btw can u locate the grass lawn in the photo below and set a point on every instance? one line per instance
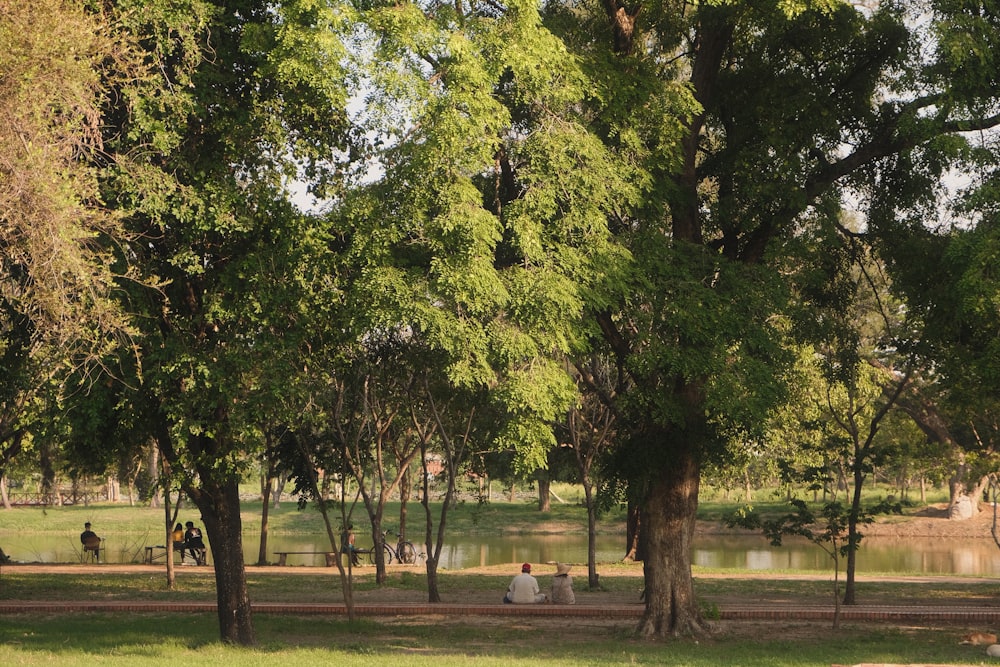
(147, 639)
(465, 518)
(620, 584)
(156, 638)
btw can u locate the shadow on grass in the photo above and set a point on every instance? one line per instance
(192, 639)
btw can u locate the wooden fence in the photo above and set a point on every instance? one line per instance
(62, 497)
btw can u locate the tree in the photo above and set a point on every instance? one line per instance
(794, 106)
(243, 96)
(829, 531)
(648, 170)
(367, 425)
(476, 268)
(855, 329)
(303, 453)
(456, 420)
(948, 278)
(590, 431)
(57, 312)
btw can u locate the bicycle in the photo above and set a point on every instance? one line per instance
(404, 551)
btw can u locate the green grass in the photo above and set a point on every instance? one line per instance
(323, 585)
(715, 503)
(466, 517)
(193, 585)
(146, 639)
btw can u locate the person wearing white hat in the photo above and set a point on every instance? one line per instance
(562, 586)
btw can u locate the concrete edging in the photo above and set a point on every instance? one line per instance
(735, 612)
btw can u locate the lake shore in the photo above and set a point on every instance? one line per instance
(928, 521)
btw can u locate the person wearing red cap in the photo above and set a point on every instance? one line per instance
(524, 589)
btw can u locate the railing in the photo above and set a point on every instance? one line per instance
(62, 497)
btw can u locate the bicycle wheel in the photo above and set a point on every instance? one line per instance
(371, 555)
(407, 554)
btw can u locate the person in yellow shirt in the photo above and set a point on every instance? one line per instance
(177, 537)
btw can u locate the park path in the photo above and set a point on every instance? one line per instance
(972, 616)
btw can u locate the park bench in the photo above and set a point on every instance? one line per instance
(154, 553)
(158, 551)
(330, 556)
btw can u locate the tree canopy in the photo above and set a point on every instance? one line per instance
(509, 192)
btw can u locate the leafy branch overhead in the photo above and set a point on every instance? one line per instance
(720, 229)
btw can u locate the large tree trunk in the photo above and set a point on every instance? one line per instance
(544, 499)
(925, 415)
(220, 510)
(668, 522)
(279, 487)
(977, 491)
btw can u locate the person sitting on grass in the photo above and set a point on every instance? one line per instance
(524, 589)
(562, 586)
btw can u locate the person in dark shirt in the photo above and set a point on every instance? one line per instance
(193, 542)
(90, 541)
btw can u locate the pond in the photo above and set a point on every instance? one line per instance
(971, 556)
(923, 555)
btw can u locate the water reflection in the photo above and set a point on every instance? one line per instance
(973, 556)
(977, 557)
(474, 552)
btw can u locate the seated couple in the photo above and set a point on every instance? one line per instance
(524, 588)
(189, 540)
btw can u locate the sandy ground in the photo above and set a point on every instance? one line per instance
(932, 521)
